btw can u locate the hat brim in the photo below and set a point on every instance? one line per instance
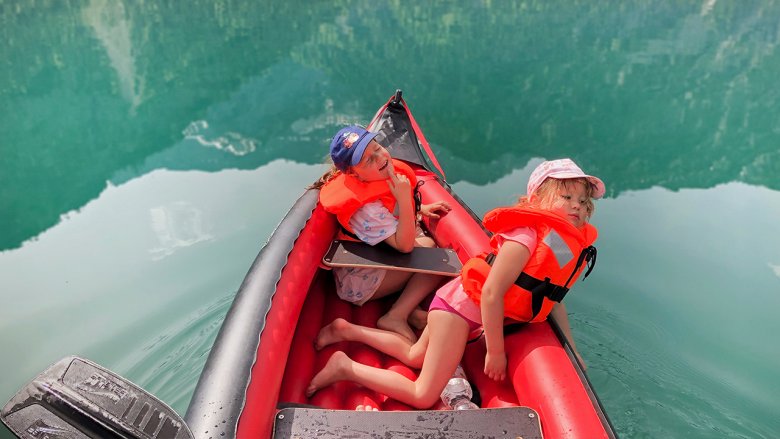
(360, 148)
(598, 186)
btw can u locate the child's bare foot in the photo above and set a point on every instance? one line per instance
(418, 318)
(332, 333)
(366, 408)
(333, 371)
(394, 324)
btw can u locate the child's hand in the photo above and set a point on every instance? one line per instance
(430, 210)
(390, 169)
(399, 185)
(495, 366)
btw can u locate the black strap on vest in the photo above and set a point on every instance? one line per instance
(418, 196)
(348, 233)
(544, 288)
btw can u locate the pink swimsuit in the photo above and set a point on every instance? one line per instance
(452, 298)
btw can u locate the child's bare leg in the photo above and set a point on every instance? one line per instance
(418, 318)
(394, 281)
(424, 241)
(388, 342)
(447, 337)
(448, 334)
(396, 319)
(336, 369)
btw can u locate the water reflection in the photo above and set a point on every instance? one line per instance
(141, 260)
(109, 22)
(231, 142)
(644, 95)
(93, 89)
(177, 225)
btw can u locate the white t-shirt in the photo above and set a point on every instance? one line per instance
(372, 223)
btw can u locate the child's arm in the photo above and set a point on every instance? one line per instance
(562, 319)
(509, 263)
(401, 188)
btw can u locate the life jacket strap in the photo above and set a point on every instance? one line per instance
(587, 255)
(544, 288)
(418, 196)
(348, 233)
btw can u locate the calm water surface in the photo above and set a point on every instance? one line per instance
(147, 151)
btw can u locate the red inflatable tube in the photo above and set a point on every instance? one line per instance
(456, 229)
(541, 372)
(298, 373)
(263, 390)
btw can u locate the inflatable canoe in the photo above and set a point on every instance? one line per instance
(253, 384)
(264, 358)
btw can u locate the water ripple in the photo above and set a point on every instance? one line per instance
(169, 366)
(659, 383)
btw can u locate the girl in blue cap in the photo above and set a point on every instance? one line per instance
(371, 194)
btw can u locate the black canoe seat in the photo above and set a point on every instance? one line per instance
(441, 261)
(506, 423)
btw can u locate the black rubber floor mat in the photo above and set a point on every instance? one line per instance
(510, 423)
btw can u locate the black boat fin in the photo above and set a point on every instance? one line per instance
(397, 97)
(76, 398)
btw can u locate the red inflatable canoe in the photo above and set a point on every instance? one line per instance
(264, 358)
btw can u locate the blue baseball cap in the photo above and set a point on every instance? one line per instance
(348, 146)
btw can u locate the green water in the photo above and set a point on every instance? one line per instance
(147, 151)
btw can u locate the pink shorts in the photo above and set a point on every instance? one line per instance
(440, 304)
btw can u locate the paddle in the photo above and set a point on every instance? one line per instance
(76, 398)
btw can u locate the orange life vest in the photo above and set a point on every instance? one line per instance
(344, 194)
(562, 252)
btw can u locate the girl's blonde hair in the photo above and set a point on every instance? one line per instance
(546, 194)
(329, 175)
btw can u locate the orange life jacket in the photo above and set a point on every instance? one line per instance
(344, 194)
(561, 254)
